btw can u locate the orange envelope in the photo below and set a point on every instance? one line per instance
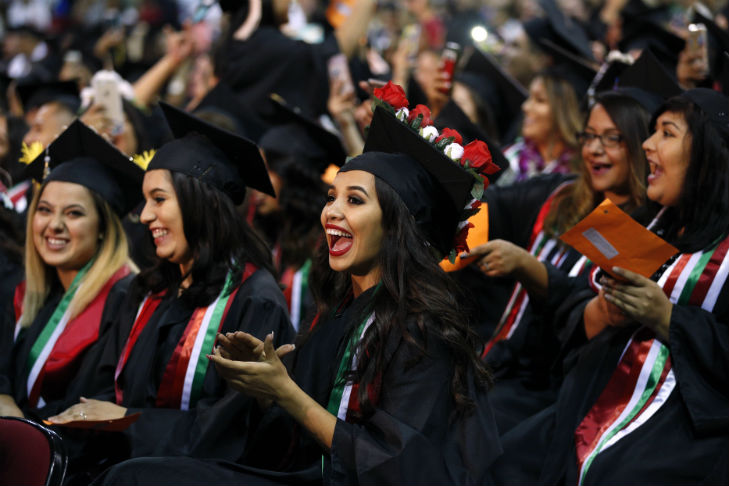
(610, 238)
(114, 425)
(478, 235)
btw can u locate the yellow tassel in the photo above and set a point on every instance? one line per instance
(143, 159)
(30, 153)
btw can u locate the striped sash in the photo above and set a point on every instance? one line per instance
(297, 284)
(643, 379)
(46, 341)
(182, 381)
(541, 247)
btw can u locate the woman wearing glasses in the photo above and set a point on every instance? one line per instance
(532, 267)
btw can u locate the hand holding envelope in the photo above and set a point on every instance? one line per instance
(611, 238)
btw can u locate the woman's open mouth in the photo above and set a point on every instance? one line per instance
(340, 240)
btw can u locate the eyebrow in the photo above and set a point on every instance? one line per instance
(668, 122)
(157, 189)
(358, 188)
(65, 208)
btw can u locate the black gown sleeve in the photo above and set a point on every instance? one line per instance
(699, 344)
(414, 435)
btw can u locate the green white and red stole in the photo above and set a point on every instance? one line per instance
(182, 380)
(63, 339)
(540, 246)
(341, 395)
(643, 379)
(296, 284)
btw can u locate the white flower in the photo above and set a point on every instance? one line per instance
(429, 133)
(454, 151)
(402, 114)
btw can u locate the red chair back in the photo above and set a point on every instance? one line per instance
(30, 454)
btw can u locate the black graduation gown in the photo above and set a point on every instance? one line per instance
(409, 439)
(11, 273)
(84, 379)
(685, 442)
(523, 363)
(213, 427)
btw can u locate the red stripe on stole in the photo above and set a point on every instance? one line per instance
(18, 296)
(169, 393)
(150, 306)
(80, 332)
(503, 332)
(675, 273)
(614, 397)
(707, 276)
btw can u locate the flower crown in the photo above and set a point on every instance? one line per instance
(474, 158)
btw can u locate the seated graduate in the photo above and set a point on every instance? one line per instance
(77, 271)
(645, 399)
(213, 274)
(387, 386)
(298, 151)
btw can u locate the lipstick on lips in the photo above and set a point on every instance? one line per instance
(340, 240)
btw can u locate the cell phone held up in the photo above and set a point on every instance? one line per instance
(697, 45)
(448, 60)
(108, 95)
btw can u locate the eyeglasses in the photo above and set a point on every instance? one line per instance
(608, 140)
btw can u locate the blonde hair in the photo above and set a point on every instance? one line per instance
(565, 108)
(111, 254)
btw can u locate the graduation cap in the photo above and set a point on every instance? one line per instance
(210, 154)
(433, 187)
(714, 104)
(648, 82)
(81, 156)
(481, 72)
(578, 72)
(451, 116)
(643, 28)
(37, 93)
(559, 29)
(296, 135)
(222, 99)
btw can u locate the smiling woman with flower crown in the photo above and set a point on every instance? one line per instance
(386, 387)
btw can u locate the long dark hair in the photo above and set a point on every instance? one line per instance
(413, 286)
(701, 216)
(220, 241)
(301, 198)
(575, 201)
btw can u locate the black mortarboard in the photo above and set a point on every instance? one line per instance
(643, 29)
(434, 188)
(505, 94)
(451, 116)
(224, 100)
(714, 104)
(34, 94)
(81, 156)
(578, 72)
(294, 134)
(559, 29)
(648, 81)
(210, 154)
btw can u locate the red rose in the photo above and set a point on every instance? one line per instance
(447, 132)
(459, 243)
(421, 110)
(479, 158)
(392, 94)
(476, 204)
